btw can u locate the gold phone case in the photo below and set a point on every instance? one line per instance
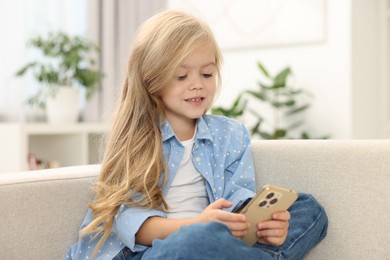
(267, 201)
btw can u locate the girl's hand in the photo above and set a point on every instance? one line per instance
(274, 232)
(237, 223)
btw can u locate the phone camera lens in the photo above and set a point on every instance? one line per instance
(273, 201)
(263, 203)
(270, 195)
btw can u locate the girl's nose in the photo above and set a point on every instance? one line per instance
(196, 83)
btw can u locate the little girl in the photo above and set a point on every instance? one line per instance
(172, 174)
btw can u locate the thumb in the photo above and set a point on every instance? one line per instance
(220, 204)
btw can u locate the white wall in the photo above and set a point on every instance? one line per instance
(339, 72)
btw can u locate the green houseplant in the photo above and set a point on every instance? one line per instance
(66, 62)
(274, 95)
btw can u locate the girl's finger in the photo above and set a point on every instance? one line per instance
(225, 216)
(271, 233)
(237, 226)
(282, 215)
(273, 241)
(273, 224)
(239, 234)
(220, 204)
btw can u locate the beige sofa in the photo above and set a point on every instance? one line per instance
(41, 211)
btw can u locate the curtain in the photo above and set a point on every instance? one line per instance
(113, 25)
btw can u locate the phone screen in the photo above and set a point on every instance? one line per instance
(239, 206)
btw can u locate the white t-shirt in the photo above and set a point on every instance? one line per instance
(187, 196)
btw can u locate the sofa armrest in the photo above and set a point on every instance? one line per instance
(41, 211)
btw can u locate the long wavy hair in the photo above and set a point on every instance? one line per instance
(133, 167)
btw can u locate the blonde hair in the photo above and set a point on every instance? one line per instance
(133, 167)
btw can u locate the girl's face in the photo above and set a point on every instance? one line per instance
(191, 92)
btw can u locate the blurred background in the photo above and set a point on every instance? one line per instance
(336, 51)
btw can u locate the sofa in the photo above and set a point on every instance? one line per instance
(41, 211)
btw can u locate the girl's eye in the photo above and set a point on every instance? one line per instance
(182, 77)
(207, 75)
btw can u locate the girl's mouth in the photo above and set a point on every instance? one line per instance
(196, 101)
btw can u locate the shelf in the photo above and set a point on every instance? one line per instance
(68, 144)
(44, 128)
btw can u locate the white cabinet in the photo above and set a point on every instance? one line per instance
(66, 144)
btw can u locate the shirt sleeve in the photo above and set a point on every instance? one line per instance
(239, 173)
(128, 221)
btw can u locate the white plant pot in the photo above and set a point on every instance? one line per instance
(64, 106)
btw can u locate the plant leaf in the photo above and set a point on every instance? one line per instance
(280, 79)
(263, 70)
(279, 133)
(265, 87)
(265, 135)
(255, 128)
(287, 103)
(24, 69)
(298, 109)
(237, 109)
(260, 95)
(305, 135)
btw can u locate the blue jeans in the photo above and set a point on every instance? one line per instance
(308, 226)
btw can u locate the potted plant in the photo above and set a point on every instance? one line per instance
(67, 64)
(277, 98)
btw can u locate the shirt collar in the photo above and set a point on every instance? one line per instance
(203, 130)
(166, 131)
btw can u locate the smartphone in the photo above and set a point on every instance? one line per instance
(270, 199)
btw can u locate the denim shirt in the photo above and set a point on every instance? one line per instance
(221, 154)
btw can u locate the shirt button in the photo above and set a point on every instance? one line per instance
(197, 159)
(214, 190)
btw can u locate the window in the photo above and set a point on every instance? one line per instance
(21, 20)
